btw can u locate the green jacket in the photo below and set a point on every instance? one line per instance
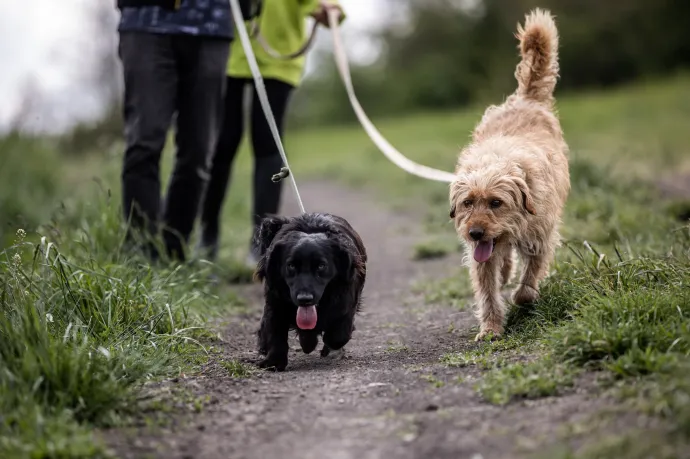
(283, 26)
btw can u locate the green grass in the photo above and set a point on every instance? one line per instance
(84, 322)
(433, 381)
(455, 290)
(532, 380)
(237, 369)
(432, 249)
(482, 358)
(79, 332)
(637, 444)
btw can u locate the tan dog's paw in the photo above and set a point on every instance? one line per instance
(525, 295)
(491, 332)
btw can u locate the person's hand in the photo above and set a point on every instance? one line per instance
(321, 13)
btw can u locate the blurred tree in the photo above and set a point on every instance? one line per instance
(449, 53)
(104, 76)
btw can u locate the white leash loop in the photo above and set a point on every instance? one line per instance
(256, 33)
(386, 148)
(260, 89)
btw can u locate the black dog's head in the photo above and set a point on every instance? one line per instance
(308, 264)
(301, 257)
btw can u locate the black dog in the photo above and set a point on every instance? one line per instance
(313, 268)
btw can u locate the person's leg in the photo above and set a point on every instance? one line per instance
(267, 160)
(150, 82)
(201, 64)
(229, 139)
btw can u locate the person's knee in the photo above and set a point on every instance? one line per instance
(141, 163)
(145, 139)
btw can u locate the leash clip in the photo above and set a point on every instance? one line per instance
(284, 173)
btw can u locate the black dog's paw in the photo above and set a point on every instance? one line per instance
(272, 364)
(250, 360)
(325, 350)
(333, 354)
(308, 342)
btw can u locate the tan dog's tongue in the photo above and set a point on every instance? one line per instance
(306, 317)
(483, 251)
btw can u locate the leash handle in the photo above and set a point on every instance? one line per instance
(383, 145)
(256, 33)
(261, 92)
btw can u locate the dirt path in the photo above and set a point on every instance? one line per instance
(389, 397)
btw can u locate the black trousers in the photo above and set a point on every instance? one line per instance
(167, 75)
(267, 160)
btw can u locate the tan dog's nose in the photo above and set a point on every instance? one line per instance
(476, 233)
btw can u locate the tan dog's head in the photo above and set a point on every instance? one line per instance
(489, 206)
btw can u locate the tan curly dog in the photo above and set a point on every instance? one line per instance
(513, 181)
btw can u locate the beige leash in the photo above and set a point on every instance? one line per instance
(256, 33)
(383, 145)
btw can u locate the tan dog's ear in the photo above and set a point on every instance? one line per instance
(527, 201)
(456, 189)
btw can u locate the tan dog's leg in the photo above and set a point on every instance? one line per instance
(490, 306)
(507, 268)
(534, 269)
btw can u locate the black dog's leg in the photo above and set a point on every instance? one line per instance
(273, 339)
(337, 336)
(308, 340)
(263, 335)
(325, 350)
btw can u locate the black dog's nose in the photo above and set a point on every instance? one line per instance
(305, 298)
(476, 233)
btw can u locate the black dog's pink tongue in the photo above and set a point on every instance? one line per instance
(483, 251)
(306, 317)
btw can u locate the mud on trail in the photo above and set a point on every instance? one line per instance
(386, 396)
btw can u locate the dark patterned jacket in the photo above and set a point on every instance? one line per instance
(250, 8)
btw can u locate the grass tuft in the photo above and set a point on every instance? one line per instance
(237, 369)
(532, 380)
(455, 290)
(432, 249)
(81, 326)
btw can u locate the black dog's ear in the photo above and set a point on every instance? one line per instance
(344, 257)
(262, 241)
(268, 266)
(267, 232)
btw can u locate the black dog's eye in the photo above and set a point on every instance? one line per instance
(467, 202)
(291, 267)
(321, 267)
(495, 204)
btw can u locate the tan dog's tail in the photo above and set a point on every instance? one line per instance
(538, 70)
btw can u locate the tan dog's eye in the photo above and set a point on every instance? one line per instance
(467, 203)
(495, 204)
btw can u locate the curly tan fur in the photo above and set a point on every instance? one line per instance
(513, 180)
